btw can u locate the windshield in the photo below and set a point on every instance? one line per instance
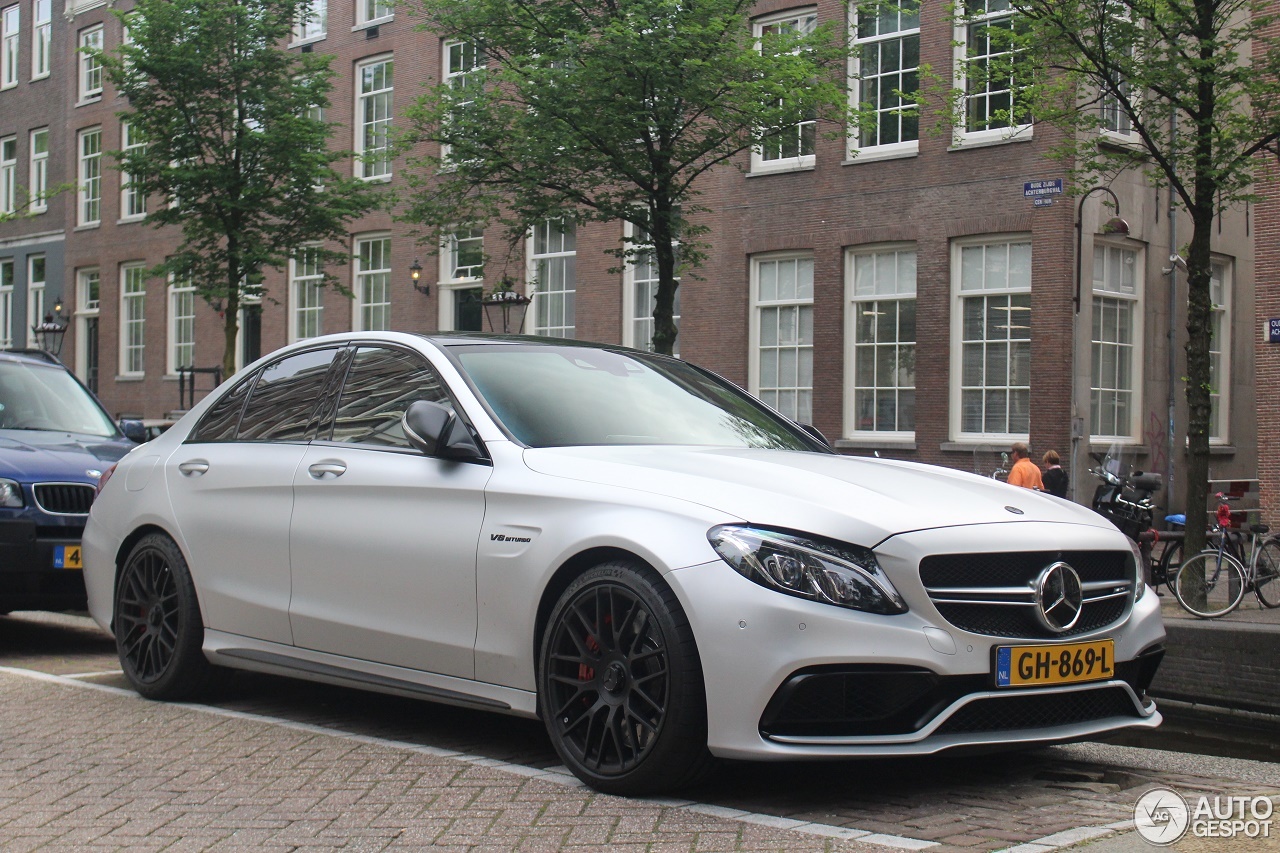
(40, 397)
(550, 396)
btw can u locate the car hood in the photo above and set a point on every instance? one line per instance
(37, 455)
(853, 499)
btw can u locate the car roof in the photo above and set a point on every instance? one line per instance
(453, 339)
(31, 356)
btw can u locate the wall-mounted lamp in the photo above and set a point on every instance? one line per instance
(415, 273)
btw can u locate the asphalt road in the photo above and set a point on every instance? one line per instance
(62, 699)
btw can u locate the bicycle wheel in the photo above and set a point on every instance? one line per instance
(1266, 583)
(1209, 584)
(1167, 567)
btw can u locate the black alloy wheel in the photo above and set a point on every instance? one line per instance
(621, 683)
(157, 622)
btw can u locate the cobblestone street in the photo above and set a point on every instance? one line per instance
(277, 764)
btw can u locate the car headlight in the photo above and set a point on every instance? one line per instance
(843, 575)
(1139, 576)
(11, 494)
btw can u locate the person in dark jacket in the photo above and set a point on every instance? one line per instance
(1055, 479)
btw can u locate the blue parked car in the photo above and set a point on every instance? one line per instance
(55, 441)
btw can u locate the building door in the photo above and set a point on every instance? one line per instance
(91, 353)
(467, 310)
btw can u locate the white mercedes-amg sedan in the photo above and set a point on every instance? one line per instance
(657, 565)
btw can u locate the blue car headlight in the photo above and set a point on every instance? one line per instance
(11, 494)
(843, 575)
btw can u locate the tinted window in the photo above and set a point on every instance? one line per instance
(556, 396)
(285, 397)
(381, 384)
(220, 422)
(44, 397)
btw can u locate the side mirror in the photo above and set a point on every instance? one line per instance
(133, 430)
(437, 431)
(815, 433)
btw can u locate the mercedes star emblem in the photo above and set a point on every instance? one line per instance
(1059, 597)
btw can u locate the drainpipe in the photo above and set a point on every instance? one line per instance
(1173, 313)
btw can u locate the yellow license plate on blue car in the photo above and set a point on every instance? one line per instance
(67, 557)
(1070, 663)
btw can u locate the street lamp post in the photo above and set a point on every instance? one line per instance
(50, 334)
(500, 302)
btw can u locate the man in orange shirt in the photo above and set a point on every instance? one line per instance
(1024, 472)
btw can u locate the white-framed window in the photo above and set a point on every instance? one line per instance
(1116, 376)
(373, 11)
(461, 60)
(39, 170)
(182, 324)
(90, 65)
(90, 176)
(133, 318)
(313, 19)
(1115, 122)
(88, 307)
(991, 335)
(41, 38)
(133, 203)
(880, 283)
(306, 295)
(639, 294)
(8, 174)
(373, 284)
(990, 105)
(37, 276)
(461, 280)
(794, 148)
(1220, 274)
(553, 261)
(10, 19)
(463, 256)
(782, 333)
(886, 60)
(373, 117)
(6, 303)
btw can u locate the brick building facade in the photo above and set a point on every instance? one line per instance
(904, 293)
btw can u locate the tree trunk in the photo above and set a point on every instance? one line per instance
(662, 234)
(230, 331)
(1199, 401)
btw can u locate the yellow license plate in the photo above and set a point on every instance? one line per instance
(1025, 666)
(67, 557)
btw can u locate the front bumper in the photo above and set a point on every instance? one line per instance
(29, 578)
(753, 642)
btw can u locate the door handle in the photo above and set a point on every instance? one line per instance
(327, 470)
(194, 468)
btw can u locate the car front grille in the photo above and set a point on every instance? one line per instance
(1016, 713)
(994, 594)
(64, 498)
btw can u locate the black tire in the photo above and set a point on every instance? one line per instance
(159, 632)
(1267, 581)
(625, 706)
(1210, 584)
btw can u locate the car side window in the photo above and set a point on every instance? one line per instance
(220, 422)
(381, 384)
(285, 397)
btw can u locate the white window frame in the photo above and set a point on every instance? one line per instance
(372, 290)
(640, 280)
(39, 171)
(958, 295)
(450, 283)
(1222, 273)
(35, 295)
(962, 135)
(91, 73)
(904, 147)
(180, 334)
(41, 38)
(874, 276)
(1113, 293)
(8, 174)
(133, 204)
(760, 162)
(8, 270)
(759, 341)
(313, 22)
(10, 41)
(306, 294)
(377, 128)
(455, 71)
(86, 310)
(89, 176)
(563, 261)
(133, 318)
(373, 12)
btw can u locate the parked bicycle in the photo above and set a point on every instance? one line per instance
(1213, 582)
